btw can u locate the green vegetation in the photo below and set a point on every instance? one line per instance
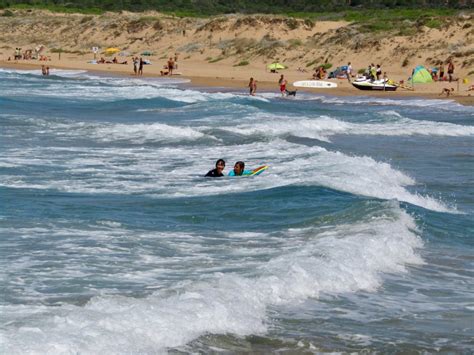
(242, 63)
(7, 13)
(26, 5)
(60, 50)
(313, 62)
(215, 59)
(434, 23)
(349, 10)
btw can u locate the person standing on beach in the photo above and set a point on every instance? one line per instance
(175, 64)
(349, 71)
(441, 72)
(378, 72)
(450, 70)
(140, 66)
(135, 65)
(170, 66)
(252, 86)
(282, 83)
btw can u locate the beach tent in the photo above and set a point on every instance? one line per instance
(147, 53)
(338, 72)
(421, 75)
(111, 50)
(275, 66)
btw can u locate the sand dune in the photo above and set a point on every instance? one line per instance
(227, 50)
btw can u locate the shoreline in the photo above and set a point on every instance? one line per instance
(237, 82)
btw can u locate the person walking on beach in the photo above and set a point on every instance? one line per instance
(252, 86)
(450, 70)
(349, 71)
(282, 82)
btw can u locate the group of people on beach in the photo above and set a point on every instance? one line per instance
(28, 54)
(438, 74)
(138, 65)
(171, 64)
(282, 82)
(319, 73)
(218, 171)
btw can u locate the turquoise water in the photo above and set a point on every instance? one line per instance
(359, 237)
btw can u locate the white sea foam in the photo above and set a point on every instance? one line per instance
(323, 127)
(337, 260)
(437, 104)
(150, 171)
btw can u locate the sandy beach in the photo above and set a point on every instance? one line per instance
(226, 51)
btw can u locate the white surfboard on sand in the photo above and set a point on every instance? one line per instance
(319, 84)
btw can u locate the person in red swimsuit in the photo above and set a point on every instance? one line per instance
(282, 83)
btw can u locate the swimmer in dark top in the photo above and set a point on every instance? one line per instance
(218, 171)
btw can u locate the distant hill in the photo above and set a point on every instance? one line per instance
(213, 7)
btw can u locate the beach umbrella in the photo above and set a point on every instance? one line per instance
(39, 48)
(275, 66)
(112, 50)
(147, 53)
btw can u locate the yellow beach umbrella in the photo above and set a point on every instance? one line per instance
(275, 66)
(112, 50)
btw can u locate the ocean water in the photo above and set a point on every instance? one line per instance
(358, 238)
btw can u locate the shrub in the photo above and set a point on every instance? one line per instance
(8, 13)
(308, 23)
(242, 63)
(326, 66)
(434, 23)
(292, 23)
(158, 25)
(405, 62)
(86, 19)
(310, 64)
(216, 59)
(294, 43)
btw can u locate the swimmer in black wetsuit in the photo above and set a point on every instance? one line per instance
(218, 171)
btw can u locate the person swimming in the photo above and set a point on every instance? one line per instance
(218, 171)
(239, 169)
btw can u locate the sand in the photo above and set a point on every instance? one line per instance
(210, 50)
